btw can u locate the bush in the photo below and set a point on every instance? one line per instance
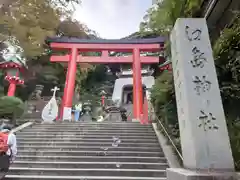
(227, 60)
(234, 134)
(163, 99)
(11, 108)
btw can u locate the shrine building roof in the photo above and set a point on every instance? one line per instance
(157, 40)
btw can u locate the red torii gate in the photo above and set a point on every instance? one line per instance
(76, 46)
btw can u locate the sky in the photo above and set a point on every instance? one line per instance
(112, 19)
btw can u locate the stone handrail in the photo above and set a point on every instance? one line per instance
(170, 139)
(19, 128)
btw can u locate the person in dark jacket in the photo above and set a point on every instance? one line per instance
(123, 114)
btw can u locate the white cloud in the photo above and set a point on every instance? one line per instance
(112, 18)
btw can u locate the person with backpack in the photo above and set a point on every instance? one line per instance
(123, 114)
(8, 148)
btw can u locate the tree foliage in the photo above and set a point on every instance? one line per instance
(163, 101)
(27, 23)
(30, 22)
(227, 60)
(160, 20)
(227, 54)
(162, 90)
(11, 107)
(161, 17)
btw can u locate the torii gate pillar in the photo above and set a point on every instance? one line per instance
(137, 87)
(69, 85)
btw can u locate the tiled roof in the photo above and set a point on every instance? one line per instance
(157, 40)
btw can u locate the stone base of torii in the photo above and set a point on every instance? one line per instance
(185, 174)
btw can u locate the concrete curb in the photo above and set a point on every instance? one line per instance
(19, 128)
(107, 116)
(167, 149)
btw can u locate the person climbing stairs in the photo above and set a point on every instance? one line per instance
(92, 151)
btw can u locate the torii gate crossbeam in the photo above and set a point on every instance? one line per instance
(76, 46)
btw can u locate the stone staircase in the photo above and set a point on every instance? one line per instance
(129, 108)
(88, 151)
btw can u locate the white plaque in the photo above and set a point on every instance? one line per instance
(204, 136)
(67, 114)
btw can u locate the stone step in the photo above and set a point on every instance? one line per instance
(64, 177)
(92, 123)
(76, 129)
(86, 136)
(127, 126)
(87, 148)
(91, 153)
(92, 158)
(87, 172)
(130, 131)
(101, 143)
(84, 139)
(91, 126)
(89, 129)
(95, 133)
(97, 164)
(88, 151)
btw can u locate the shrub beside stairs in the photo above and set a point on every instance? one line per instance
(88, 151)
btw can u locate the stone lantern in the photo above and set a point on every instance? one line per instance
(87, 107)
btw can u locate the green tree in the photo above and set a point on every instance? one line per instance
(160, 20)
(31, 21)
(11, 107)
(161, 17)
(227, 60)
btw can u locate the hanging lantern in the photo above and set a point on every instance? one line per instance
(13, 73)
(13, 64)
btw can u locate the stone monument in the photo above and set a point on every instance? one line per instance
(204, 136)
(50, 111)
